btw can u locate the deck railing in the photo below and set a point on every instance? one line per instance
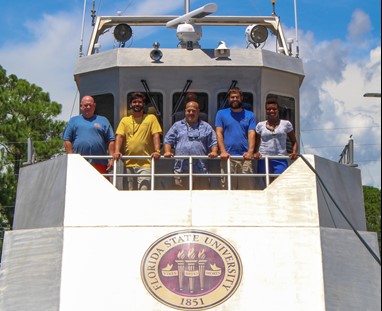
(155, 173)
(347, 154)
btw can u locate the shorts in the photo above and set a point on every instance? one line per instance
(100, 168)
(276, 166)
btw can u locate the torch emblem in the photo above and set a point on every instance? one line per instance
(191, 269)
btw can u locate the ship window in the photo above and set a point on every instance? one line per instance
(105, 106)
(247, 101)
(153, 103)
(201, 98)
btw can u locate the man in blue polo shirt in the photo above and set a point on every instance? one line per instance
(90, 134)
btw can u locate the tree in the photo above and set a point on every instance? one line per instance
(7, 195)
(372, 199)
(25, 112)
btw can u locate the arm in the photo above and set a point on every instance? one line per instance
(167, 151)
(220, 138)
(212, 144)
(293, 139)
(117, 146)
(68, 146)
(156, 141)
(111, 148)
(251, 145)
(214, 152)
(169, 142)
(257, 154)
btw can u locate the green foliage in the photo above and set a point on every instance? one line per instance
(7, 193)
(7, 196)
(25, 112)
(372, 199)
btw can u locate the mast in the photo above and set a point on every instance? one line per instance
(82, 29)
(93, 15)
(187, 6)
(296, 26)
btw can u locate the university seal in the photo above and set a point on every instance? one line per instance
(191, 270)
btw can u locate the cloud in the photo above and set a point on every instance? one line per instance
(332, 102)
(359, 26)
(48, 61)
(155, 7)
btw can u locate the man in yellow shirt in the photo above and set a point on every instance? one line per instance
(141, 134)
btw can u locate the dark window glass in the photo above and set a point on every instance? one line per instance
(105, 106)
(179, 103)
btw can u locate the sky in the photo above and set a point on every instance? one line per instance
(339, 43)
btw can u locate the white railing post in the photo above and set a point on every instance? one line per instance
(267, 170)
(152, 181)
(228, 177)
(190, 172)
(115, 173)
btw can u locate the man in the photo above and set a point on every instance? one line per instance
(141, 134)
(191, 136)
(236, 133)
(90, 134)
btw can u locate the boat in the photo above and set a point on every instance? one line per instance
(81, 242)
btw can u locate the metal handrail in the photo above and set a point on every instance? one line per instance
(190, 174)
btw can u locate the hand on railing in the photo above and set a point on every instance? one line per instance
(168, 154)
(248, 155)
(224, 155)
(213, 155)
(155, 155)
(293, 156)
(117, 155)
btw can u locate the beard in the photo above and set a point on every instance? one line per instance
(236, 105)
(138, 108)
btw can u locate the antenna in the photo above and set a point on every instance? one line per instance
(187, 32)
(82, 29)
(198, 13)
(186, 6)
(273, 7)
(93, 13)
(296, 26)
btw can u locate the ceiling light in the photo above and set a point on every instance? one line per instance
(122, 33)
(256, 34)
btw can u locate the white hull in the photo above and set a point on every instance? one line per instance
(87, 254)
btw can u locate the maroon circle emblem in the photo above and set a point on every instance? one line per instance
(191, 270)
